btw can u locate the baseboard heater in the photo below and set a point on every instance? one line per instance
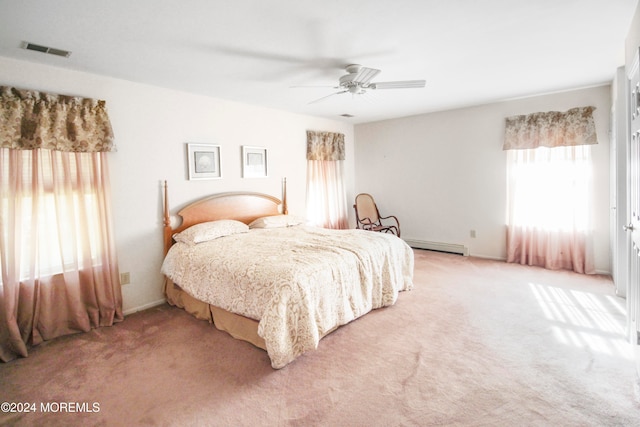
(438, 246)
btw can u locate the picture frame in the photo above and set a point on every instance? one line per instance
(203, 161)
(254, 162)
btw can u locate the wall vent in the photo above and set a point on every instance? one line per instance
(46, 49)
(438, 246)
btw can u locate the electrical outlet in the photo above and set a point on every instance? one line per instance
(472, 233)
(125, 278)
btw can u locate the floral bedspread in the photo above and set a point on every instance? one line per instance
(299, 282)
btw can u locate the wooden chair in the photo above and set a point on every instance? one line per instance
(368, 217)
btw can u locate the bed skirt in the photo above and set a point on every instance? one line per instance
(239, 327)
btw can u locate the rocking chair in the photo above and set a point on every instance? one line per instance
(368, 217)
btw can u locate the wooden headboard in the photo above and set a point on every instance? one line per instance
(241, 206)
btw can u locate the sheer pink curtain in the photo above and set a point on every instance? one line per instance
(549, 187)
(326, 193)
(57, 252)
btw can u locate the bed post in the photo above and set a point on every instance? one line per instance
(166, 221)
(285, 210)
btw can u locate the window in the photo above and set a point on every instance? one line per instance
(57, 252)
(548, 207)
(52, 212)
(549, 188)
(326, 194)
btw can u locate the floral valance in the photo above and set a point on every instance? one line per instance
(325, 145)
(551, 129)
(31, 120)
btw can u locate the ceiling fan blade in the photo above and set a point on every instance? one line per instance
(323, 86)
(325, 97)
(398, 85)
(365, 75)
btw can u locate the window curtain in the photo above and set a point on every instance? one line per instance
(57, 249)
(326, 193)
(549, 188)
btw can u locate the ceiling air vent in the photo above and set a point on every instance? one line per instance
(45, 49)
(347, 115)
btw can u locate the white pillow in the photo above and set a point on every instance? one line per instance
(276, 221)
(206, 231)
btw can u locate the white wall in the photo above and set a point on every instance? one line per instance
(444, 174)
(151, 126)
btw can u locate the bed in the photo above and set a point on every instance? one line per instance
(240, 261)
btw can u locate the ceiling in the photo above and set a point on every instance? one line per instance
(469, 52)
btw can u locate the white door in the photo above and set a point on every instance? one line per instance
(633, 226)
(619, 159)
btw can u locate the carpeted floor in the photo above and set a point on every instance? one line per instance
(477, 343)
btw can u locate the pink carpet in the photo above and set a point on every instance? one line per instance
(476, 343)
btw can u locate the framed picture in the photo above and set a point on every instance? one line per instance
(254, 162)
(203, 161)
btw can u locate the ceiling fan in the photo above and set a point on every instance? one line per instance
(357, 81)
